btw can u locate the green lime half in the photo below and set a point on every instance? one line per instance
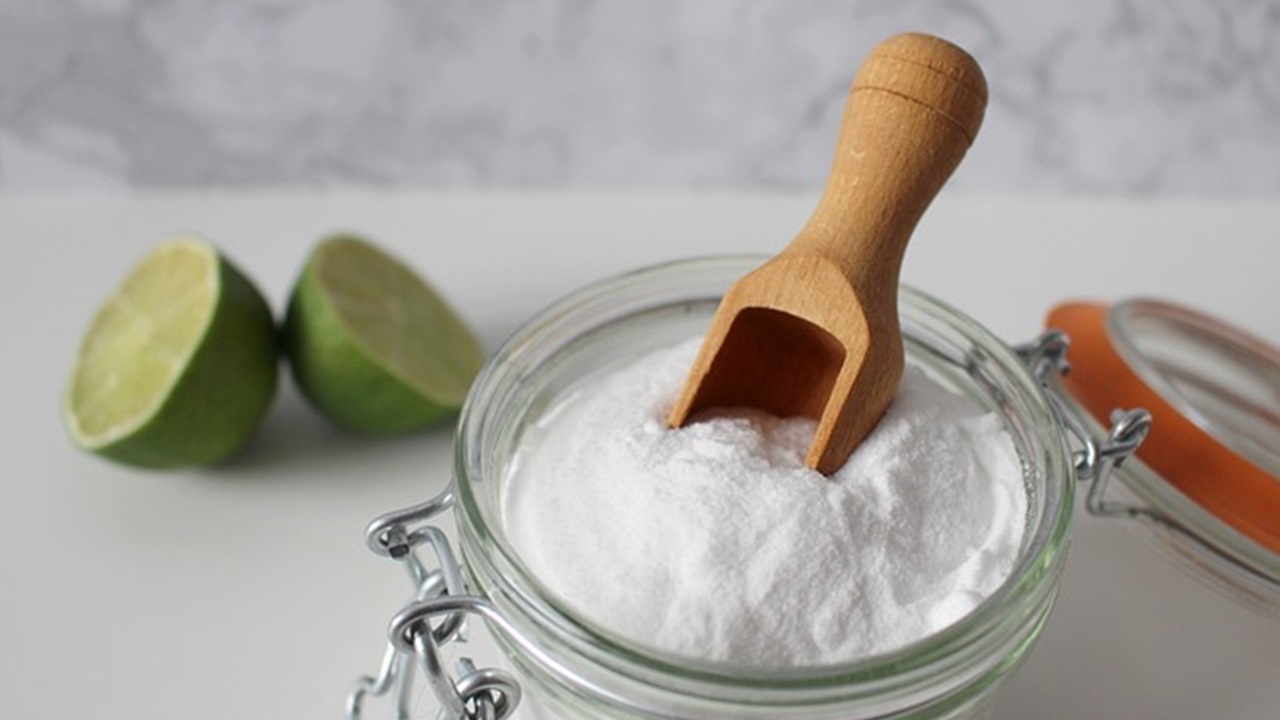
(372, 345)
(178, 367)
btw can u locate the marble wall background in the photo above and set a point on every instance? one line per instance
(1096, 96)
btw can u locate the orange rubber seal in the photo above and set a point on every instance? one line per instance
(1231, 487)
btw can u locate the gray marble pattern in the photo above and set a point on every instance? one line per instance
(1152, 97)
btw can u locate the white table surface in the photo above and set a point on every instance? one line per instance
(245, 591)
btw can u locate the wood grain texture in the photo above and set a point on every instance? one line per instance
(815, 331)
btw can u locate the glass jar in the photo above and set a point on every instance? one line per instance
(569, 668)
(565, 667)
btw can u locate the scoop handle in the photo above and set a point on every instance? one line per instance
(915, 106)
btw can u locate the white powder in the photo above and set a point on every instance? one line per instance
(715, 542)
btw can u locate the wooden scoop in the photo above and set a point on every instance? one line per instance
(814, 331)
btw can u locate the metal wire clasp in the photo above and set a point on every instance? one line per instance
(439, 595)
(1046, 358)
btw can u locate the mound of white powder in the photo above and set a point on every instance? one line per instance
(715, 542)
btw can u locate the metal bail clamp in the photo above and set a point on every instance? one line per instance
(476, 693)
(1046, 358)
(1098, 458)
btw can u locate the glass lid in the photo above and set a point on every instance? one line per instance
(1213, 392)
(1223, 380)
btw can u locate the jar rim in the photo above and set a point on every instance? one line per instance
(1022, 599)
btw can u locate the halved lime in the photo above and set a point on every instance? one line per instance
(372, 345)
(178, 367)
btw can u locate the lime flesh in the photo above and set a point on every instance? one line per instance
(372, 345)
(178, 366)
